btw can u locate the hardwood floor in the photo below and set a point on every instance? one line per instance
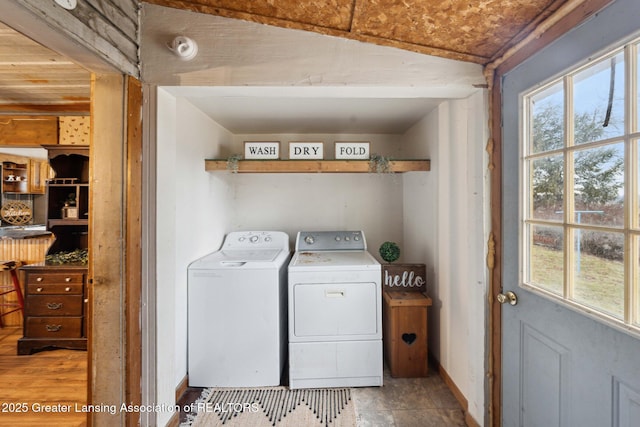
(36, 389)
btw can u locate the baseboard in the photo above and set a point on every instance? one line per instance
(174, 421)
(182, 387)
(471, 422)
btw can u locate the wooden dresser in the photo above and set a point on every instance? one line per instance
(54, 307)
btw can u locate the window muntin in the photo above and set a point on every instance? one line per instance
(581, 204)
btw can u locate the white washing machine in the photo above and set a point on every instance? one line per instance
(237, 315)
(335, 312)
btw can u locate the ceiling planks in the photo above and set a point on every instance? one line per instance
(34, 79)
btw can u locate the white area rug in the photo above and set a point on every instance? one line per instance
(273, 406)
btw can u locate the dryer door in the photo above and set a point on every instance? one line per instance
(335, 311)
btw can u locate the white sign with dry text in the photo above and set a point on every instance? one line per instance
(306, 150)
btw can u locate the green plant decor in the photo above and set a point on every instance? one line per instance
(232, 162)
(389, 251)
(379, 164)
(78, 256)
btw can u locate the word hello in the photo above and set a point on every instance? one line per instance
(408, 279)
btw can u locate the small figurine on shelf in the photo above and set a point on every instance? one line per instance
(70, 210)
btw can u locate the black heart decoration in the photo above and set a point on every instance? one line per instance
(409, 338)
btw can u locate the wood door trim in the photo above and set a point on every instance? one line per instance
(133, 244)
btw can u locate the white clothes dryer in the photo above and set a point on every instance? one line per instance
(237, 312)
(335, 312)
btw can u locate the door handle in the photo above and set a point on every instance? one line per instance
(507, 297)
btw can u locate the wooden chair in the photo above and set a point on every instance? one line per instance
(18, 304)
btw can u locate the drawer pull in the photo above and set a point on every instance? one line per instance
(67, 279)
(54, 305)
(39, 289)
(53, 328)
(67, 289)
(38, 279)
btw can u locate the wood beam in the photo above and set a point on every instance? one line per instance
(107, 358)
(78, 108)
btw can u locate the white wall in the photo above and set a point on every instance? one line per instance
(446, 223)
(191, 221)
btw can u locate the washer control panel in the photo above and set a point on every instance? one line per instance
(330, 241)
(256, 240)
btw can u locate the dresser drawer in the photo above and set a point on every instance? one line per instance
(53, 327)
(54, 305)
(55, 289)
(54, 278)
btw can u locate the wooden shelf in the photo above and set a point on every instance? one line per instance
(312, 166)
(57, 222)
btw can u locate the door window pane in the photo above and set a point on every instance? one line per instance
(547, 182)
(599, 185)
(579, 214)
(599, 271)
(598, 100)
(547, 119)
(546, 267)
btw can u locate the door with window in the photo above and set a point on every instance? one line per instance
(571, 222)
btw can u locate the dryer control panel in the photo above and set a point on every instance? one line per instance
(330, 241)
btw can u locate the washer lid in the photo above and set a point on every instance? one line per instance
(264, 255)
(226, 259)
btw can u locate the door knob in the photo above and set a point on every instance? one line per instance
(509, 297)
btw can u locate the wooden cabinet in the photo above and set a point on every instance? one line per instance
(404, 320)
(56, 294)
(68, 197)
(54, 308)
(38, 175)
(23, 175)
(15, 176)
(28, 131)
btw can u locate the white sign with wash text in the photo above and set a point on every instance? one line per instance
(306, 150)
(352, 150)
(261, 150)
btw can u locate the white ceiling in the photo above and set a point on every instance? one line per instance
(261, 110)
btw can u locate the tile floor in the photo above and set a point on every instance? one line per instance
(400, 402)
(408, 402)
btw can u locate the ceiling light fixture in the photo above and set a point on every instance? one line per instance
(184, 48)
